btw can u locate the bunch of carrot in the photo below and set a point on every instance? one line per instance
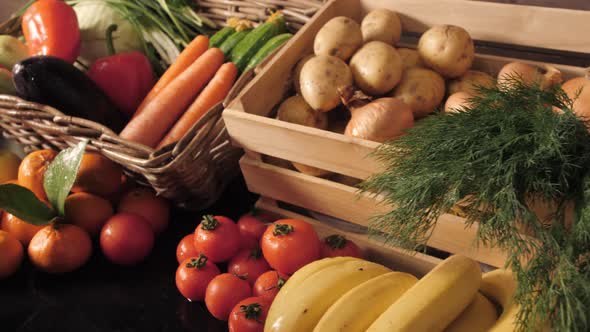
(194, 83)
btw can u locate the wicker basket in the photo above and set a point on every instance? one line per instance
(192, 172)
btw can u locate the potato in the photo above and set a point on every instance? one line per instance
(447, 49)
(469, 81)
(422, 89)
(309, 170)
(410, 58)
(323, 78)
(376, 68)
(381, 25)
(340, 37)
(297, 72)
(296, 110)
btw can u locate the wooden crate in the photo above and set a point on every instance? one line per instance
(248, 123)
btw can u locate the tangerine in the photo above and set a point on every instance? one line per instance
(145, 203)
(88, 211)
(60, 248)
(11, 254)
(98, 175)
(31, 171)
(18, 228)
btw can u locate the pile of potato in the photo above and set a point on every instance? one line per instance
(353, 62)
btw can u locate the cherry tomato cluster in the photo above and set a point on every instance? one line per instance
(260, 253)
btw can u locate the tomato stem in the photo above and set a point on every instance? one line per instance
(255, 253)
(197, 263)
(335, 241)
(252, 311)
(282, 229)
(209, 223)
(280, 283)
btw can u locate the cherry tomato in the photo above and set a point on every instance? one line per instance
(126, 239)
(193, 275)
(249, 315)
(224, 292)
(337, 245)
(51, 28)
(218, 238)
(289, 244)
(186, 248)
(269, 284)
(248, 263)
(251, 230)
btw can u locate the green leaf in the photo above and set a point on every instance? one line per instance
(23, 204)
(61, 174)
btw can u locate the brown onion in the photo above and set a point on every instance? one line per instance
(457, 102)
(578, 89)
(380, 120)
(530, 74)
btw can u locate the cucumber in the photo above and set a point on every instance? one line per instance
(267, 49)
(220, 36)
(245, 50)
(232, 41)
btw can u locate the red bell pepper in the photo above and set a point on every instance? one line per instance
(51, 27)
(126, 78)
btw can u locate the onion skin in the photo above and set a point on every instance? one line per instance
(530, 74)
(457, 101)
(381, 120)
(578, 89)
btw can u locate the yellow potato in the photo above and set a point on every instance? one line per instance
(422, 89)
(410, 58)
(447, 49)
(469, 81)
(339, 37)
(323, 79)
(376, 68)
(381, 25)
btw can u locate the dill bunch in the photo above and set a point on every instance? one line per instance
(508, 152)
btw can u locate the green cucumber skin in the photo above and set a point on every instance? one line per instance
(246, 49)
(232, 41)
(220, 36)
(267, 49)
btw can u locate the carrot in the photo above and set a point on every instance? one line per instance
(162, 111)
(190, 53)
(213, 93)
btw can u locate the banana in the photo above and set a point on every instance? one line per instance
(479, 316)
(434, 301)
(310, 299)
(292, 284)
(359, 307)
(500, 286)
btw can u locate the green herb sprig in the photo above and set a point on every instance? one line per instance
(514, 147)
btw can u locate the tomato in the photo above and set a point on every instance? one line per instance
(337, 245)
(145, 203)
(60, 248)
(248, 263)
(249, 315)
(251, 230)
(217, 238)
(186, 248)
(289, 244)
(269, 284)
(126, 239)
(193, 275)
(51, 27)
(224, 292)
(11, 254)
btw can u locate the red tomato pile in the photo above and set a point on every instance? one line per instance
(260, 256)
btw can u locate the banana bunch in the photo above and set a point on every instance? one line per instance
(353, 295)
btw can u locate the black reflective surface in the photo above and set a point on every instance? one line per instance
(104, 297)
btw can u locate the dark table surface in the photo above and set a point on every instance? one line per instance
(104, 297)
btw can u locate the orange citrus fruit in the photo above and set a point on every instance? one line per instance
(145, 203)
(98, 175)
(11, 254)
(32, 171)
(60, 248)
(18, 228)
(88, 211)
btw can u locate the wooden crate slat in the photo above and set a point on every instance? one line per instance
(344, 202)
(417, 264)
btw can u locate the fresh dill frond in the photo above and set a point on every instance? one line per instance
(514, 147)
